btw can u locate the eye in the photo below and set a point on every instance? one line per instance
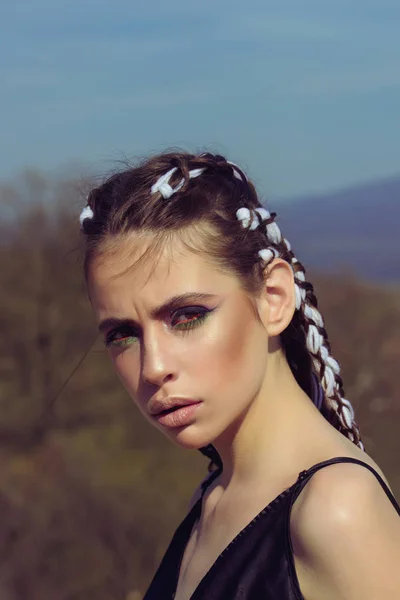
(188, 318)
(121, 338)
(183, 320)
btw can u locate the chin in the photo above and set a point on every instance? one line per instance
(189, 439)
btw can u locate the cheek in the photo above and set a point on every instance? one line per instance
(235, 355)
(127, 370)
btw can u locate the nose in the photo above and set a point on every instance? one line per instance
(157, 360)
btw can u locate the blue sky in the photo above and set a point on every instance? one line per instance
(304, 95)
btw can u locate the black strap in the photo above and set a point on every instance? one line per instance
(304, 476)
(209, 479)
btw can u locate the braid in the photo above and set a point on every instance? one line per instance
(339, 411)
(326, 367)
(305, 340)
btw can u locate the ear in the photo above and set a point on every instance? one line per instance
(277, 302)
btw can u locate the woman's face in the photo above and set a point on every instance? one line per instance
(207, 348)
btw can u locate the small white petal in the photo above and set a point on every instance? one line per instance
(266, 254)
(243, 215)
(299, 299)
(300, 275)
(264, 213)
(86, 213)
(334, 365)
(312, 313)
(347, 416)
(165, 190)
(159, 184)
(329, 381)
(274, 233)
(236, 173)
(314, 339)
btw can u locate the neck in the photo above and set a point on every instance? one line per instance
(268, 438)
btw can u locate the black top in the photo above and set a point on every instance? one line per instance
(258, 563)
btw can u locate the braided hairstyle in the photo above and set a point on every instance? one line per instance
(180, 193)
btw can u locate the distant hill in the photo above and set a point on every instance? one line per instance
(355, 229)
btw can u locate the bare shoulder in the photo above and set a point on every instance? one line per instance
(343, 481)
(346, 535)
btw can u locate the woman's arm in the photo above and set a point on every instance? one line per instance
(346, 537)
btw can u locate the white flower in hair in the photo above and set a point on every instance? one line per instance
(274, 233)
(268, 254)
(243, 215)
(300, 275)
(163, 186)
(235, 172)
(86, 213)
(264, 213)
(247, 218)
(323, 362)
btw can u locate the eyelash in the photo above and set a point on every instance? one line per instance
(192, 324)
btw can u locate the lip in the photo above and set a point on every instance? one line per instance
(158, 406)
(181, 416)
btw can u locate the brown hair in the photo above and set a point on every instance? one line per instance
(203, 214)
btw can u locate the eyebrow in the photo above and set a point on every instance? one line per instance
(156, 313)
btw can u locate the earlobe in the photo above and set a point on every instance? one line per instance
(280, 297)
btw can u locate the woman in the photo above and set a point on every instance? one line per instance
(216, 335)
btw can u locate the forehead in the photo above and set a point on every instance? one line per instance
(137, 269)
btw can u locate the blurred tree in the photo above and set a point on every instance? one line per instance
(89, 493)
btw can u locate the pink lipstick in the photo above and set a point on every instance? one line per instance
(178, 416)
